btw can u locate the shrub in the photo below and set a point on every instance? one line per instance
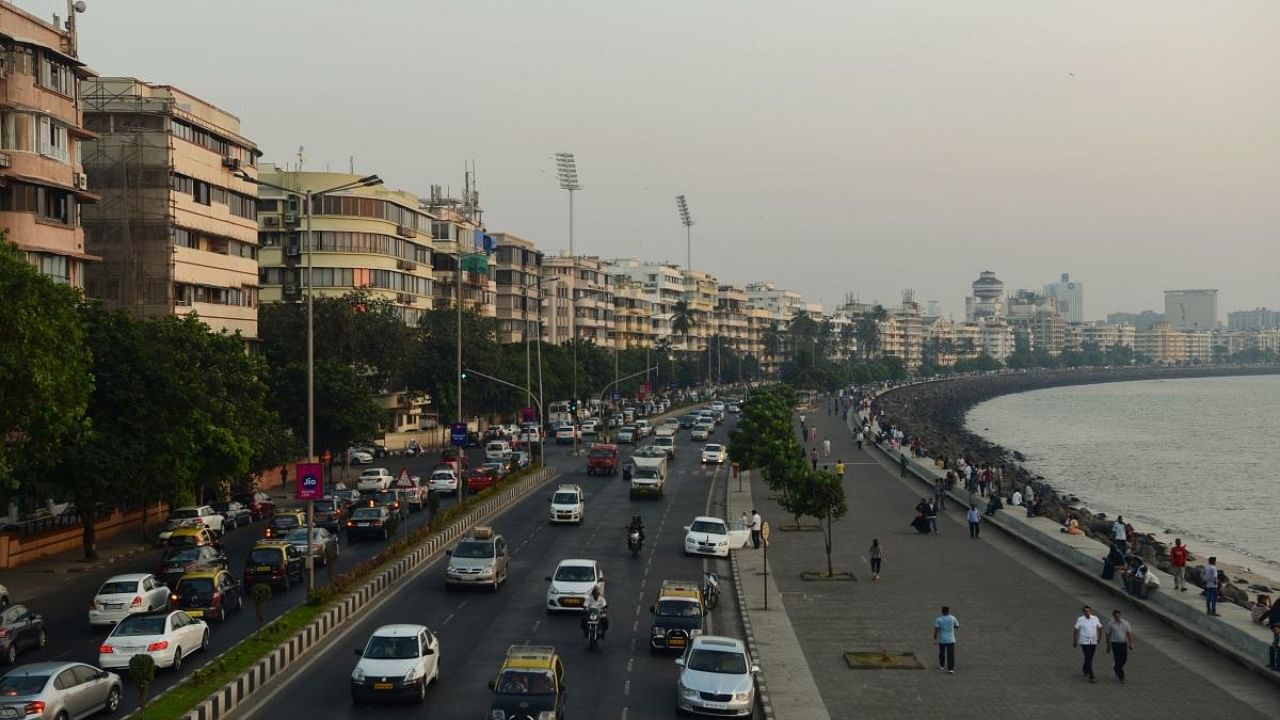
(142, 671)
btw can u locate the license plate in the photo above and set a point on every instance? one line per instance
(9, 712)
(195, 613)
(676, 642)
(360, 524)
(263, 568)
(571, 601)
(382, 686)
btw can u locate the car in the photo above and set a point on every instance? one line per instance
(572, 583)
(589, 425)
(678, 615)
(398, 661)
(274, 562)
(69, 690)
(20, 629)
(4, 597)
(284, 521)
(717, 677)
(124, 595)
(454, 456)
(359, 456)
(443, 481)
(371, 448)
(368, 522)
(713, 453)
(529, 435)
(568, 504)
(481, 478)
(199, 516)
(521, 459)
(713, 536)
(207, 594)
(530, 684)
(503, 468)
(329, 512)
(701, 432)
(643, 429)
(627, 434)
(260, 504)
(322, 541)
(412, 492)
(497, 451)
(393, 500)
(602, 459)
(650, 451)
(479, 558)
(178, 561)
(734, 408)
(234, 513)
(190, 536)
(688, 420)
(666, 443)
(168, 637)
(565, 435)
(375, 479)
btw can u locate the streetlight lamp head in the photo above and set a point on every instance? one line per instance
(682, 205)
(567, 171)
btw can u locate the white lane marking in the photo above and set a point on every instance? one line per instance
(535, 626)
(624, 713)
(446, 620)
(626, 688)
(635, 625)
(630, 663)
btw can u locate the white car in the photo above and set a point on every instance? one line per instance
(497, 451)
(398, 661)
(193, 516)
(667, 443)
(590, 425)
(125, 595)
(375, 480)
(168, 637)
(572, 583)
(568, 504)
(716, 678)
(643, 429)
(713, 453)
(443, 481)
(701, 431)
(710, 536)
(359, 456)
(565, 435)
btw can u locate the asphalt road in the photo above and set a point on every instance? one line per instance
(622, 679)
(66, 610)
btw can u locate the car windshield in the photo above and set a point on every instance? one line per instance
(474, 550)
(366, 513)
(664, 441)
(183, 513)
(285, 521)
(575, 573)
(264, 556)
(712, 448)
(601, 453)
(678, 608)
(184, 539)
(391, 648)
(706, 526)
(717, 661)
(565, 498)
(182, 554)
(297, 535)
(135, 625)
(190, 587)
(526, 682)
(442, 475)
(324, 506)
(13, 684)
(115, 587)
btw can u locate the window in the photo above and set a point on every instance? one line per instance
(56, 76)
(17, 131)
(55, 205)
(53, 139)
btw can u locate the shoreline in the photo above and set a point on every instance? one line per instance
(935, 411)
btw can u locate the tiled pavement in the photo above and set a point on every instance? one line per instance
(1014, 655)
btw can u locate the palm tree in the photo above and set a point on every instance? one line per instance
(869, 331)
(771, 338)
(682, 320)
(847, 334)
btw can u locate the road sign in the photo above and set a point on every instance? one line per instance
(403, 480)
(616, 396)
(458, 434)
(310, 481)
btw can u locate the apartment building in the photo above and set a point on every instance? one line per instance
(176, 226)
(701, 292)
(458, 236)
(517, 278)
(781, 304)
(633, 316)
(730, 317)
(366, 238)
(579, 300)
(1258, 319)
(1191, 309)
(43, 186)
(1161, 343)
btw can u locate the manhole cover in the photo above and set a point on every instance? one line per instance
(882, 660)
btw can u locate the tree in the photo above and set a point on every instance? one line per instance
(682, 320)
(44, 370)
(869, 331)
(142, 671)
(826, 502)
(345, 411)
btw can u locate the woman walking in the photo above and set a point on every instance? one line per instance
(875, 554)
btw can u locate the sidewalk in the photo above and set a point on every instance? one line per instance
(1014, 657)
(41, 577)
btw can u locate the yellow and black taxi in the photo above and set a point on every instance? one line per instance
(190, 536)
(275, 562)
(284, 521)
(529, 685)
(208, 594)
(678, 615)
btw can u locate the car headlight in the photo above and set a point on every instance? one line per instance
(695, 632)
(742, 696)
(497, 715)
(723, 543)
(547, 715)
(554, 591)
(358, 674)
(658, 632)
(486, 572)
(688, 692)
(411, 675)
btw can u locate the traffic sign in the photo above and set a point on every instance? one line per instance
(403, 480)
(617, 396)
(310, 481)
(458, 434)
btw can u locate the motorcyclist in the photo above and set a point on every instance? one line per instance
(596, 601)
(636, 526)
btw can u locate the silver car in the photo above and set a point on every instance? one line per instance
(65, 690)
(321, 541)
(716, 678)
(479, 559)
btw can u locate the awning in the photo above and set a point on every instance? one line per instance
(37, 44)
(31, 180)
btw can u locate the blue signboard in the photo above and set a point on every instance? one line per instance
(458, 434)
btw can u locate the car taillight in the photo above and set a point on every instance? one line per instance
(93, 604)
(277, 571)
(268, 532)
(159, 645)
(198, 522)
(173, 599)
(350, 524)
(4, 632)
(105, 649)
(137, 601)
(34, 708)
(217, 599)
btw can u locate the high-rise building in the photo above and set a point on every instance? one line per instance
(579, 300)
(1259, 319)
(518, 276)
(176, 226)
(1191, 309)
(1070, 297)
(458, 238)
(987, 300)
(1141, 321)
(42, 184)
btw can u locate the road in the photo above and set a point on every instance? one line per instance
(620, 680)
(66, 610)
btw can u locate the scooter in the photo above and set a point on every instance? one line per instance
(710, 590)
(594, 618)
(634, 542)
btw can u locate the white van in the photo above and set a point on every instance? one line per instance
(497, 451)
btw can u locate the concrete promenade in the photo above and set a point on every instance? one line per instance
(1016, 610)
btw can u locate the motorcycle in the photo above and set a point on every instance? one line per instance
(634, 542)
(594, 618)
(413, 450)
(710, 590)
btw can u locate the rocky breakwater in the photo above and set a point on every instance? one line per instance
(935, 412)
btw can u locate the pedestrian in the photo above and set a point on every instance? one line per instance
(1178, 559)
(875, 555)
(756, 524)
(859, 438)
(944, 634)
(813, 436)
(1120, 642)
(826, 447)
(1085, 634)
(975, 519)
(813, 458)
(902, 464)
(1275, 648)
(1210, 577)
(840, 468)
(931, 515)
(940, 494)
(1120, 534)
(984, 476)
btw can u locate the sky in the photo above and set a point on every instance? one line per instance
(835, 147)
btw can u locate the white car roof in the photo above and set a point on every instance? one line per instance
(136, 577)
(578, 562)
(712, 447)
(719, 642)
(399, 630)
(707, 518)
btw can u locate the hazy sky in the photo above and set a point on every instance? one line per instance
(832, 147)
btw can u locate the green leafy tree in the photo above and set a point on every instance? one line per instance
(825, 502)
(345, 410)
(682, 320)
(142, 671)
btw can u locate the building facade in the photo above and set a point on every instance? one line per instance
(43, 186)
(176, 226)
(1140, 321)
(461, 252)
(1191, 309)
(1259, 319)
(517, 279)
(1069, 295)
(578, 300)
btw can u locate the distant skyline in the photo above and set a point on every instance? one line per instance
(825, 146)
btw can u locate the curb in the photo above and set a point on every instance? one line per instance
(762, 687)
(221, 704)
(100, 563)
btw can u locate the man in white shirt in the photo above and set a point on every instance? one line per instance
(1085, 634)
(757, 524)
(1120, 534)
(1016, 498)
(1210, 577)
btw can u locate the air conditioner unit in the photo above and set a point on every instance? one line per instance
(271, 221)
(406, 265)
(82, 181)
(233, 163)
(406, 231)
(291, 218)
(293, 250)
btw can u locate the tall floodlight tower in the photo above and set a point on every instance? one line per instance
(567, 172)
(687, 220)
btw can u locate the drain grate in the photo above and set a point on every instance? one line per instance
(882, 660)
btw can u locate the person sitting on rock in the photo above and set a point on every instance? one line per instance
(1073, 527)
(1261, 609)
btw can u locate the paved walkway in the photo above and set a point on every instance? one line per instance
(1016, 610)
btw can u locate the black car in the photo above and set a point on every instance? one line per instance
(688, 421)
(178, 561)
(393, 501)
(370, 522)
(234, 514)
(330, 513)
(208, 594)
(275, 562)
(20, 629)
